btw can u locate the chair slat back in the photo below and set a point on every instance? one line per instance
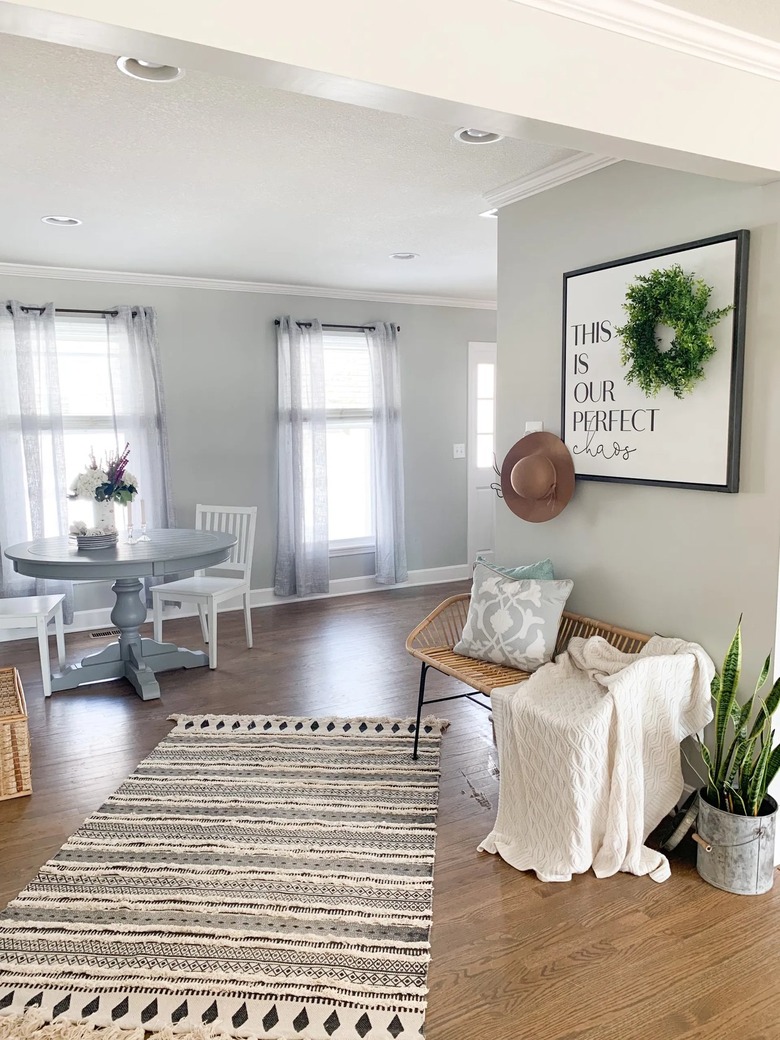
(236, 520)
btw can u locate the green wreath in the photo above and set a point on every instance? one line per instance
(668, 297)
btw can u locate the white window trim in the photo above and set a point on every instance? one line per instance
(352, 547)
(349, 416)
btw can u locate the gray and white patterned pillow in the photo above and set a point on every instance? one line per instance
(512, 622)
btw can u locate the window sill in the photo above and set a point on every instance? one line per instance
(352, 550)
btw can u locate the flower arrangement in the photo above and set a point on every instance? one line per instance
(103, 485)
(109, 483)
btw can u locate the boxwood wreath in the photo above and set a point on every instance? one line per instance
(668, 297)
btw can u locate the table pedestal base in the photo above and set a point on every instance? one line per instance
(131, 657)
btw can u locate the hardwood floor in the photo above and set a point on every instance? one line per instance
(513, 958)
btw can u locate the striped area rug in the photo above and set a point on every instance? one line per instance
(256, 876)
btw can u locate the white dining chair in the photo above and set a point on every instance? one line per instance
(36, 612)
(208, 589)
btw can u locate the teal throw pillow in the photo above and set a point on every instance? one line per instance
(542, 571)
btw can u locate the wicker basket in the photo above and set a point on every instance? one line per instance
(14, 737)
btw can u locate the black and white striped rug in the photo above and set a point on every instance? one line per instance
(254, 877)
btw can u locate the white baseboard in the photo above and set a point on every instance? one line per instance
(367, 583)
(89, 620)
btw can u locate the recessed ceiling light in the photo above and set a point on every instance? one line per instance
(61, 221)
(467, 135)
(490, 213)
(149, 71)
(404, 256)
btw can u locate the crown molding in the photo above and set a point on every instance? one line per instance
(77, 274)
(665, 26)
(550, 177)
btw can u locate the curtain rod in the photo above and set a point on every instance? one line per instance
(307, 325)
(65, 310)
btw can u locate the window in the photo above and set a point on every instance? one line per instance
(68, 384)
(340, 470)
(86, 360)
(485, 418)
(349, 403)
(100, 396)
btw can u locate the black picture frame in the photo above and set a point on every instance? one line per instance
(726, 426)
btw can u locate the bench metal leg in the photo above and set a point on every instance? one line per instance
(423, 673)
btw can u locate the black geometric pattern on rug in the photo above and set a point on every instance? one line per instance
(269, 876)
(121, 1009)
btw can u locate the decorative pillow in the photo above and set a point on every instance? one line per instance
(542, 570)
(512, 622)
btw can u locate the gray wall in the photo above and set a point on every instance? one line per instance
(219, 368)
(654, 559)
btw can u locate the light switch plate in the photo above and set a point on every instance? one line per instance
(459, 451)
(534, 426)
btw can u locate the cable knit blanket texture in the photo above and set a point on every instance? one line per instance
(589, 752)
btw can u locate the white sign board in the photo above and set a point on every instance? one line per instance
(613, 430)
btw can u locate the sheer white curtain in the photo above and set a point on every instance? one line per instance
(139, 407)
(33, 484)
(139, 411)
(388, 455)
(302, 563)
(68, 384)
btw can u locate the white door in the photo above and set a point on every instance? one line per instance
(480, 450)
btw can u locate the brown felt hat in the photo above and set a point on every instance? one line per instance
(537, 477)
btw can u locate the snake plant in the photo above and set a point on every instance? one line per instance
(743, 762)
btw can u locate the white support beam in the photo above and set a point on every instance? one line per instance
(504, 66)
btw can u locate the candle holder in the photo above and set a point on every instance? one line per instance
(129, 535)
(143, 536)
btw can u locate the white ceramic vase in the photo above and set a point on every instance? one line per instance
(103, 515)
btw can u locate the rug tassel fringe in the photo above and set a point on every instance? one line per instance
(22, 1027)
(436, 723)
(34, 1027)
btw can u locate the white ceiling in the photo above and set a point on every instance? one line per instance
(219, 178)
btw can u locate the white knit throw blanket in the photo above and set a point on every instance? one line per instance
(589, 751)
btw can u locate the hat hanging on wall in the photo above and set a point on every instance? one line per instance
(537, 477)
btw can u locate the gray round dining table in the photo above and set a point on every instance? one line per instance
(131, 656)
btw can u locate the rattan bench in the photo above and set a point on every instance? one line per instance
(433, 640)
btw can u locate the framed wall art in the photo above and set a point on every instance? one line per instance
(653, 349)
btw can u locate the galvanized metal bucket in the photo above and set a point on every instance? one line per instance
(736, 853)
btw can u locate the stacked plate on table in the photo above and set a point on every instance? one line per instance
(89, 542)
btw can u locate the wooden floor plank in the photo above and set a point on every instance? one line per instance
(512, 958)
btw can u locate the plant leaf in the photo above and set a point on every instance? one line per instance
(764, 674)
(748, 765)
(767, 710)
(707, 759)
(773, 765)
(740, 753)
(758, 781)
(706, 756)
(735, 796)
(739, 717)
(728, 681)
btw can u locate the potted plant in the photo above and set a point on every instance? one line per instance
(736, 815)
